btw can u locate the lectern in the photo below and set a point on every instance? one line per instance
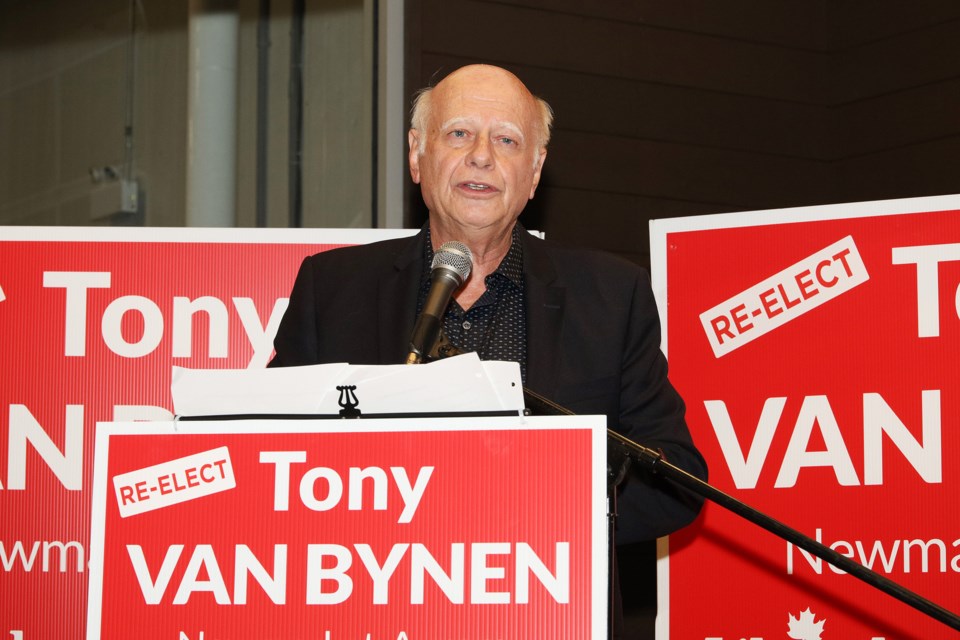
(398, 524)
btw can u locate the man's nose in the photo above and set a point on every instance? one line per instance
(481, 153)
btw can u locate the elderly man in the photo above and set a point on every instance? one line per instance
(582, 324)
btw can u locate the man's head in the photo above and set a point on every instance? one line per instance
(477, 146)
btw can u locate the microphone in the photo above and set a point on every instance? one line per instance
(450, 268)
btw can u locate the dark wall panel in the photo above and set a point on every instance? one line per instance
(644, 167)
(898, 96)
(914, 115)
(907, 59)
(657, 103)
(604, 47)
(746, 104)
(852, 23)
(789, 24)
(924, 169)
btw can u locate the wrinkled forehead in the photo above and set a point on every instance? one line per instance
(486, 99)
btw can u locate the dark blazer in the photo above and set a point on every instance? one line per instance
(593, 346)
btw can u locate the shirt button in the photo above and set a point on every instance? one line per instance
(466, 325)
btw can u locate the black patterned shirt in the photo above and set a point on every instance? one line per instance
(496, 325)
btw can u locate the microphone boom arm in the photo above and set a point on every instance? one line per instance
(654, 462)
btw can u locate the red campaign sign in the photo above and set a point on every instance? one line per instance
(817, 351)
(92, 321)
(400, 529)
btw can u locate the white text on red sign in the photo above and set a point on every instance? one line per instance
(77, 284)
(331, 482)
(928, 259)
(173, 482)
(783, 297)
(745, 460)
(477, 573)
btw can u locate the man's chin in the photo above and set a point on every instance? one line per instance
(475, 220)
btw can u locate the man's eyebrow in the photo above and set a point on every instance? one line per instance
(455, 121)
(516, 130)
(504, 124)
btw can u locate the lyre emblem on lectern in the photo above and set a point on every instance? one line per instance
(348, 401)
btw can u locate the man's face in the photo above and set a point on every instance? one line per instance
(481, 161)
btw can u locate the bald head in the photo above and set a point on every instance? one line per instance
(481, 79)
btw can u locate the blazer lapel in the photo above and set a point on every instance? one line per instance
(545, 312)
(397, 302)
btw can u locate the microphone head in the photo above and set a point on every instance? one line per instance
(453, 257)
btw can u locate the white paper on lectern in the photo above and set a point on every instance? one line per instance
(460, 383)
(199, 392)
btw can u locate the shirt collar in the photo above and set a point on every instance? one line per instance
(511, 267)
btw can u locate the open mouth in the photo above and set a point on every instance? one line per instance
(477, 186)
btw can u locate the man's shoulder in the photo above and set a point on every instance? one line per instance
(580, 262)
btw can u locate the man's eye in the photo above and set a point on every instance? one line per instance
(458, 133)
(507, 141)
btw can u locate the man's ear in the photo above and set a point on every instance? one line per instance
(537, 169)
(413, 154)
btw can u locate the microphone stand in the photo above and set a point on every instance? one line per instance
(655, 463)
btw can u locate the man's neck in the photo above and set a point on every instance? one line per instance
(488, 252)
